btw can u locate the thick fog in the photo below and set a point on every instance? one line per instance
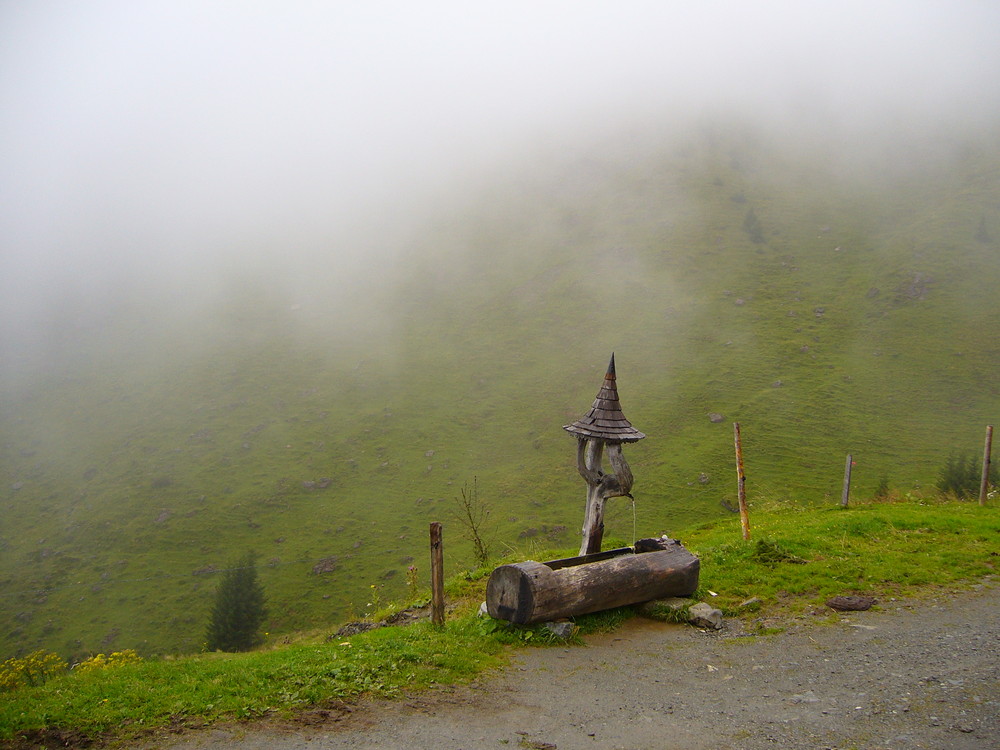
(168, 151)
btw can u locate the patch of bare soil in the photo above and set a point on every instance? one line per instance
(905, 675)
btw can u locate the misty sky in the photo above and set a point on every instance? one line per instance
(170, 143)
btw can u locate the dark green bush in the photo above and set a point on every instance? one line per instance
(961, 476)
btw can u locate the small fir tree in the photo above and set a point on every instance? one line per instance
(751, 225)
(239, 609)
(962, 474)
(983, 234)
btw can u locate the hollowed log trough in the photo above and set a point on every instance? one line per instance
(530, 592)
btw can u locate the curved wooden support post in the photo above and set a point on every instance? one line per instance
(588, 459)
(600, 487)
(621, 469)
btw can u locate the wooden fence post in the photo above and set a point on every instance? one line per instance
(984, 485)
(741, 481)
(847, 481)
(437, 575)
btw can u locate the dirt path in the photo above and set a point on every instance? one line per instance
(924, 675)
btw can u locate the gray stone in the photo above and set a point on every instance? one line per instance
(703, 615)
(563, 629)
(851, 603)
(354, 628)
(807, 697)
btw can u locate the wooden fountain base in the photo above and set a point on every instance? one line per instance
(531, 592)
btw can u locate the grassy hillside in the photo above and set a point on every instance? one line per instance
(828, 305)
(795, 562)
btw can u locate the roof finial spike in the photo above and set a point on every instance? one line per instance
(611, 367)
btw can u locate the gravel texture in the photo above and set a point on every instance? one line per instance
(911, 674)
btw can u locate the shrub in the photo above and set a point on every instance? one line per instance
(112, 660)
(882, 491)
(961, 476)
(474, 514)
(30, 670)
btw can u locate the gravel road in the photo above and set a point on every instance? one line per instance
(910, 675)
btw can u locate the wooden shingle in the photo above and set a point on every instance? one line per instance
(605, 420)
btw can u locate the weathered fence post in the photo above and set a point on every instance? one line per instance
(437, 575)
(984, 485)
(847, 481)
(741, 482)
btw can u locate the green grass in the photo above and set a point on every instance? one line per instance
(196, 690)
(797, 558)
(144, 456)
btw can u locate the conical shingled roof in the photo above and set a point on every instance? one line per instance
(605, 419)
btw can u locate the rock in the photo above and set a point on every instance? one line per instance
(326, 565)
(703, 615)
(553, 533)
(753, 602)
(807, 697)
(562, 629)
(916, 289)
(483, 611)
(319, 484)
(353, 628)
(715, 417)
(851, 603)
